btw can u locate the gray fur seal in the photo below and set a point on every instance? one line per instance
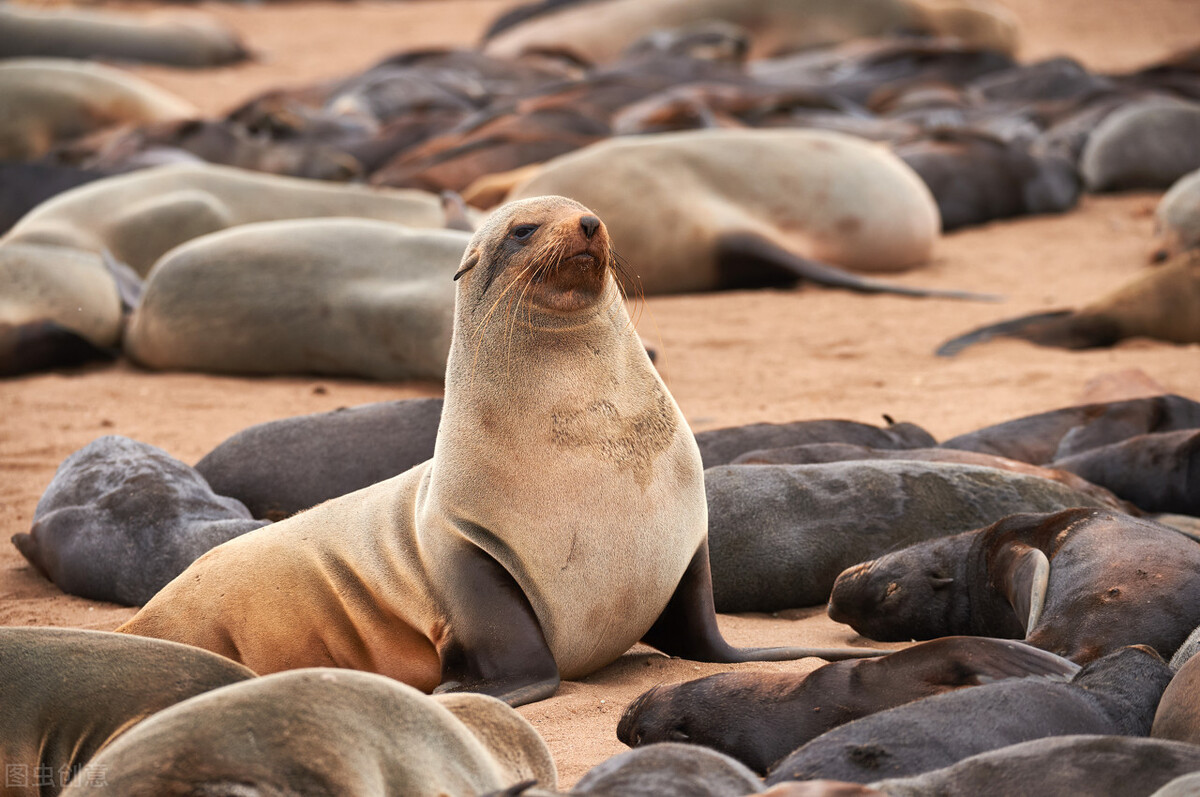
(1177, 217)
(499, 565)
(122, 518)
(68, 693)
(321, 732)
(363, 298)
(1147, 144)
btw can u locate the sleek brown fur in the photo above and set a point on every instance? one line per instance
(561, 519)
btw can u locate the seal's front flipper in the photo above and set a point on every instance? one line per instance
(748, 260)
(1022, 574)
(129, 283)
(1061, 328)
(492, 642)
(687, 627)
(457, 215)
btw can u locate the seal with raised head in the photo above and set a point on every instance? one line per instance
(1115, 695)
(561, 519)
(1079, 583)
(720, 209)
(322, 732)
(760, 717)
(67, 693)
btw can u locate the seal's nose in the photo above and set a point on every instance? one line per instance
(589, 224)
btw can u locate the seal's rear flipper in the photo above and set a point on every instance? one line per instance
(1062, 328)
(687, 627)
(43, 345)
(748, 260)
(1022, 574)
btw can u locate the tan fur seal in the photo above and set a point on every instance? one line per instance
(710, 209)
(177, 39)
(561, 519)
(68, 693)
(363, 298)
(139, 216)
(599, 32)
(322, 732)
(1161, 305)
(1177, 217)
(49, 100)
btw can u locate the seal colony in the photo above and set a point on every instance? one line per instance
(413, 577)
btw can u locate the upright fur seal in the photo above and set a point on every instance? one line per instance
(711, 209)
(561, 519)
(1113, 695)
(122, 518)
(138, 217)
(67, 693)
(364, 298)
(760, 717)
(1078, 583)
(322, 732)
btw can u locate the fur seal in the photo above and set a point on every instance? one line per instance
(1177, 217)
(722, 446)
(363, 298)
(1079, 583)
(122, 518)
(1156, 472)
(50, 100)
(1178, 715)
(598, 32)
(1160, 305)
(1147, 144)
(281, 467)
(781, 534)
(497, 565)
(175, 39)
(1113, 695)
(758, 718)
(1046, 436)
(67, 693)
(321, 731)
(819, 453)
(693, 211)
(668, 769)
(1079, 765)
(163, 207)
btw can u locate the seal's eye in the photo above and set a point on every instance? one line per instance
(522, 231)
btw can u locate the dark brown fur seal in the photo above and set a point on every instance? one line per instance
(413, 576)
(1156, 472)
(67, 693)
(723, 446)
(1079, 583)
(758, 718)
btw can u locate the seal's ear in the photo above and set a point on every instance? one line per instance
(471, 262)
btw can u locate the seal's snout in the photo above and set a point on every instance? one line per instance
(589, 224)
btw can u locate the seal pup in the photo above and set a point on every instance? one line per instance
(121, 518)
(780, 535)
(722, 446)
(176, 39)
(576, 525)
(1147, 144)
(67, 693)
(1114, 695)
(364, 298)
(1156, 472)
(50, 100)
(758, 717)
(720, 209)
(320, 731)
(1044, 437)
(281, 467)
(1160, 305)
(160, 208)
(1079, 765)
(1079, 583)
(1177, 217)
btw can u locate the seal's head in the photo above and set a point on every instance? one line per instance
(546, 253)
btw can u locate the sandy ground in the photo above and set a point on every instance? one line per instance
(728, 358)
